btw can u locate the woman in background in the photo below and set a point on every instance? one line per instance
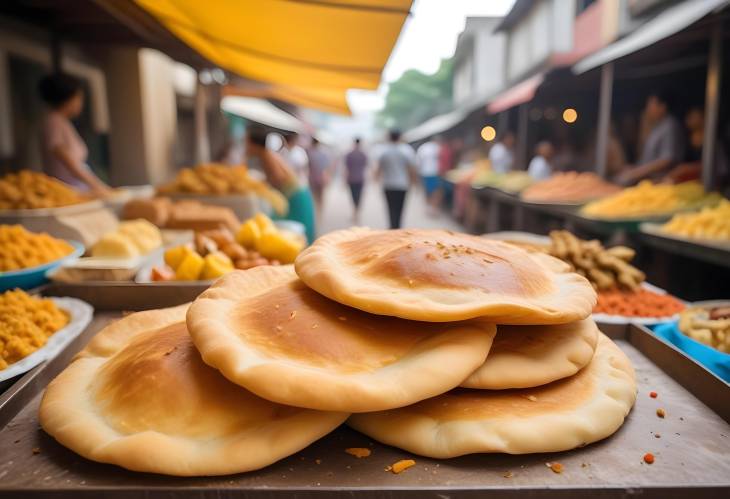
(64, 151)
(282, 177)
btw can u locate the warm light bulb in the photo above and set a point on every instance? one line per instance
(570, 115)
(489, 133)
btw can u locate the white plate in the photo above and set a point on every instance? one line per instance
(81, 314)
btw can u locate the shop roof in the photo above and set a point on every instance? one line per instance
(667, 23)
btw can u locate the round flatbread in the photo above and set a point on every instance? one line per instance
(440, 276)
(139, 396)
(560, 416)
(268, 332)
(528, 356)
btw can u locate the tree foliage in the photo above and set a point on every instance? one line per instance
(416, 97)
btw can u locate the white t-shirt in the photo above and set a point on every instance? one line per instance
(298, 160)
(539, 168)
(428, 158)
(501, 158)
(395, 161)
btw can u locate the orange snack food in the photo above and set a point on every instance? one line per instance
(569, 187)
(638, 303)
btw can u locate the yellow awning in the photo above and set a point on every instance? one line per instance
(332, 100)
(332, 44)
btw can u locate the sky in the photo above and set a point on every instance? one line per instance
(429, 35)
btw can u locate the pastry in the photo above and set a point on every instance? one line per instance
(139, 396)
(528, 356)
(266, 331)
(439, 276)
(559, 416)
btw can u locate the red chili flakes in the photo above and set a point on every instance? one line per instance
(660, 412)
(649, 458)
(555, 467)
(653, 395)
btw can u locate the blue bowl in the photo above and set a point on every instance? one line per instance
(35, 276)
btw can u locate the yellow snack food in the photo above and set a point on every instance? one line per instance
(249, 234)
(276, 246)
(709, 223)
(175, 256)
(264, 223)
(21, 249)
(26, 323)
(145, 235)
(28, 189)
(190, 267)
(218, 179)
(115, 245)
(647, 199)
(216, 265)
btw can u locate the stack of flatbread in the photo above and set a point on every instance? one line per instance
(439, 343)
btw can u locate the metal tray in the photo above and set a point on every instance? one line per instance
(692, 455)
(120, 296)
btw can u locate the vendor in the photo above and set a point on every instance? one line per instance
(664, 146)
(282, 177)
(691, 169)
(64, 151)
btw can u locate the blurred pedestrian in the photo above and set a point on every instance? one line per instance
(540, 167)
(296, 156)
(664, 146)
(319, 172)
(282, 177)
(428, 167)
(356, 162)
(64, 151)
(501, 155)
(397, 170)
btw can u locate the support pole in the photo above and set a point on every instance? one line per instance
(502, 123)
(604, 119)
(202, 142)
(522, 152)
(712, 105)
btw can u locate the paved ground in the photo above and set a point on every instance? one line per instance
(338, 210)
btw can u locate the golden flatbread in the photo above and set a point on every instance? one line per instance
(559, 416)
(268, 332)
(440, 276)
(527, 356)
(139, 396)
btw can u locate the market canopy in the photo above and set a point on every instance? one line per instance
(336, 44)
(518, 94)
(262, 112)
(332, 100)
(669, 22)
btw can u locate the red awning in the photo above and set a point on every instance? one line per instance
(520, 93)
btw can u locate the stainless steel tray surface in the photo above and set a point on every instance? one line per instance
(691, 445)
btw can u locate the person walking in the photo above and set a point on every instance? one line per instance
(319, 166)
(397, 170)
(355, 162)
(428, 168)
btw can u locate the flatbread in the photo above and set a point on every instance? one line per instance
(560, 416)
(268, 332)
(440, 276)
(528, 356)
(139, 396)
